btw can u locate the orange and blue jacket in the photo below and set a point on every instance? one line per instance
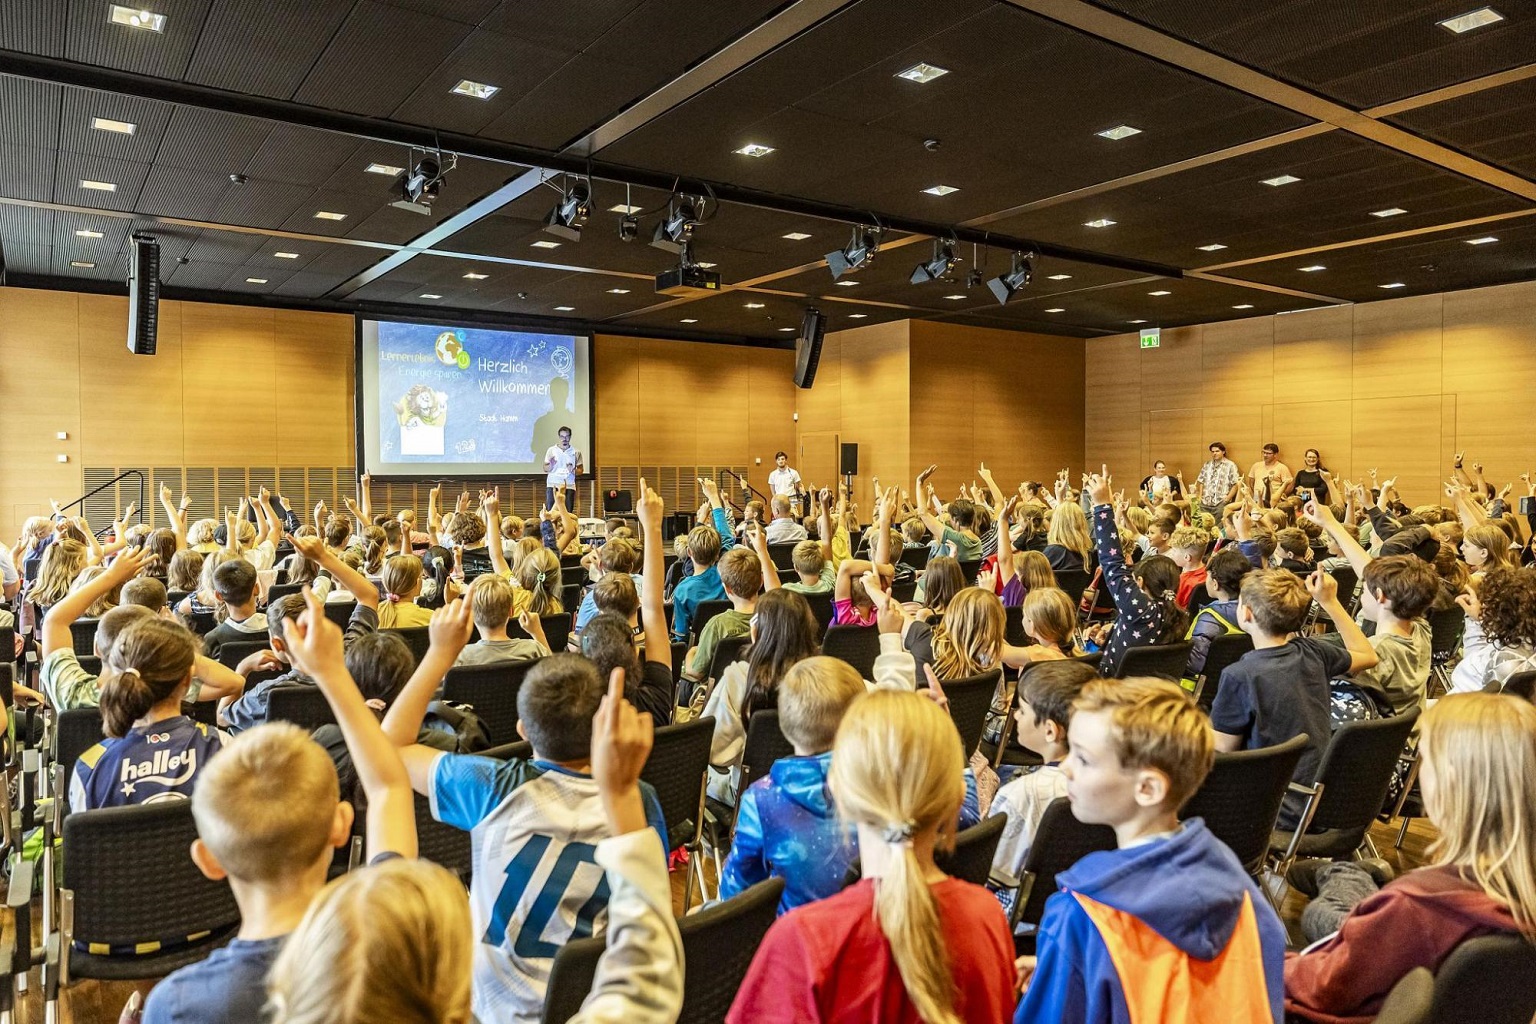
(1168, 931)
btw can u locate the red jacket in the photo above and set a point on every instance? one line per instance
(1415, 921)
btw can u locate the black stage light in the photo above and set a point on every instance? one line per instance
(861, 248)
(570, 213)
(676, 229)
(419, 188)
(937, 267)
(1017, 278)
(629, 228)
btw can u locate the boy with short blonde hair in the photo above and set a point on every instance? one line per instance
(1117, 942)
(817, 573)
(786, 825)
(490, 601)
(1186, 546)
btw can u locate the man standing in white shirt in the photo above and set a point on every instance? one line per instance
(1218, 481)
(1268, 477)
(783, 480)
(562, 464)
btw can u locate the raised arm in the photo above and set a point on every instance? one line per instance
(315, 644)
(1325, 591)
(1117, 576)
(1005, 555)
(932, 522)
(56, 634)
(345, 576)
(570, 526)
(490, 512)
(759, 538)
(175, 517)
(365, 496)
(1323, 516)
(434, 518)
(823, 500)
(119, 528)
(717, 515)
(449, 632)
(885, 509)
(653, 580)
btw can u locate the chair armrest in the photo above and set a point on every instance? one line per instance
(1409, 1000)
(18, 891)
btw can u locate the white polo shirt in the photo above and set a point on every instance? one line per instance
(565, 462)
(783, 481)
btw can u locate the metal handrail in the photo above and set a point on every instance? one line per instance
(745, 486)
(97, 490)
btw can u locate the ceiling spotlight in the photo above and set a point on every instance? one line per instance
(472, 276)
(286, 255)
(922, 74)
(419, 188)
(98, 186)
(1160, 292)
(754, 149)
(134, 18)
(1471, 20)
(1314, 268)
(429, 295)
(629, 228)
(1102, 222)
(623, 208)
(1243, 305)
(618, 291)
(571, 212)
(796, 236)
(676, 229)
(387, 169)
(475, 90)
(1055, 309)
(1115, 134)
(1481, 241)
(941, 190)
(255, 280)
(1059, 277)
(861, 248)
(1392, 212)
(754, 305)
(939, 265)
(110, 124)
(1213, 247)
(565, 309)
(857, 316)
(688, 320)
(87, 233)
(1394, 284)
(82, 264)
(1278, 180)
(329, 215)
(1017, 278)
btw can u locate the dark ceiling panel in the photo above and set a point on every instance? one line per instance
(34, 26)
(114, 234)
(1344, 179)
(1361, 54)
(27, 259)
(260, 204)
(186, 194)
(197, 274)
(81, 106)
(31, 111)
(302, 156)
(469, 12)
(1496, 125)
(1425, 263)
(729, 314)
(1192, 301)
(513, 66)
(71, 168)
(265, 47)
(26, 173)
(93, 39)
(378, 57)
(557, 24)
(581, 93)
(211, 141)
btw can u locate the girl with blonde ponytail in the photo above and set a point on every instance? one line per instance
(906, 944)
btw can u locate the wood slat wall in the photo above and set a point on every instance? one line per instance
(1399, 385)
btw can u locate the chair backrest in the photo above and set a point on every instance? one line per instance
(1074, 582)
(1060, 841)
(727, 651)
(1013, 626)
(300, 703)
(570, 561)
(766, 743)
(134, 881)
(492, 691)
(1356, 770)
(201, 623)
(1445, 629)
(570, 596)
(969, 701)
(782, 556)
(1491, 980)
(675, 769)
(1165, 660)
(706, 611)
(904, 590)
(821, 607)
(233, 652)
(339, 612)
(1520, 684)
(280, 590)
(679, 661)
(1225, 650)
(90, 663)
(442, 844)
(917, 558)
(522, 750)
(556, 626)
(725, 937)
(1240, 798)
(74, 732)
(971, 859)
(857, 645)
(416, 638)
(82, 634)
(969, 568)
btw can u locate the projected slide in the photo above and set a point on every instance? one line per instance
(443, 400)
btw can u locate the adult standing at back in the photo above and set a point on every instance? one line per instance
(1159, 487)
(1268, 477)
(783, 480)
(1218, 481)
(562, 464)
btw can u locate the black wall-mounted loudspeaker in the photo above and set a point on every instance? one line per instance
(808, 347)
(850, 465)
(143, 295)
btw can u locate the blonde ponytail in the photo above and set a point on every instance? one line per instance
(897, 767)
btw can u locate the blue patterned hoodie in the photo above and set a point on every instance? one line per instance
(786, 827)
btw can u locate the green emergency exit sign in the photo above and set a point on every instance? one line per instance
(1151, 337)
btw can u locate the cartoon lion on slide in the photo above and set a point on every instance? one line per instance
(422, 406)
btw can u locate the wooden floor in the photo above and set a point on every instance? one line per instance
(91, 1003)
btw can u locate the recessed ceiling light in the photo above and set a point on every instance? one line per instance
(565, 309)
(328, 215)
(1471, 20)
(623, 208)
(786, 329)
(754, 149)
(1282, 179)
(1102, 222)
(922, 74)
(132, 17)
(1391, 212)
(286, 255)
(1055, 309)
(857, 316)
(429, 295)
(472, 276)
(87, 234)
(706, 266)
(687, 320)
(82, 264)
(1160, 293)
(389, 169)
(618, 291)
(1394, 284)
(846, 284)
(108, 124)
(754, 305)
(1481, 241)
(545, 243)
(1059, 277)
(98, 186)
(477, 90)
(1213, 247)
(1121, 131)
(1314, 268)
(1243, 305)
(255, 280)
(941, 190)
(1135, 321)
(954, 296)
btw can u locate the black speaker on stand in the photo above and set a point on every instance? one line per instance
(143, 295)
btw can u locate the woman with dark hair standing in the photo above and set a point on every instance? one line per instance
(1312, 480)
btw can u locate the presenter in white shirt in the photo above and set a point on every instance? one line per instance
(562, 464)
(783, 480)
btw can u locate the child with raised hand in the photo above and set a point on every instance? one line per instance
(786, 826)
(394, 941)
(1479, 754)
(906, 943)
(1168, 926)
(534, 823)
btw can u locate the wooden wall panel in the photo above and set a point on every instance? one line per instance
(1113, 428)
(1327, 426)
(1401, 438)
(1171, 371)
(1397, 348)
(130, 406)
(1176, 436)
(39, 398)
(313, 387)
(616, 415)
(1238, 363)
(876, 398)
(1308, 355)
(230, 351)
